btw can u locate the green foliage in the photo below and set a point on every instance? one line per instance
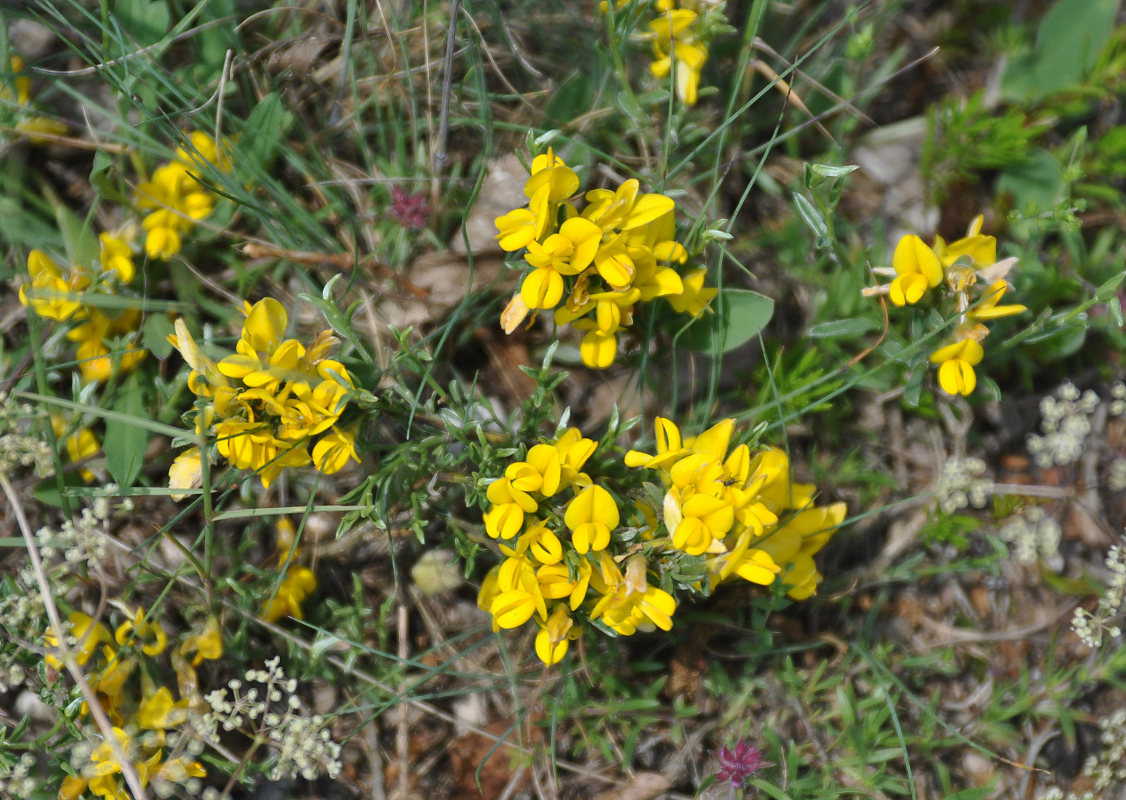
(1069, 40)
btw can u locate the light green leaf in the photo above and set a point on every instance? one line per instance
(837, 328)
(263, 131)
(811, 216)
(81, 244)
(737, 316)
(1036, 183)
(145, 22)
(125, 442)
(1069, 41)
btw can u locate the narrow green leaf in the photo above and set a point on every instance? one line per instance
(811, 216)
(837, 328)
(126, 441)
(832, 171)
(82, 246)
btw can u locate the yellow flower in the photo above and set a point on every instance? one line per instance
(333, 450)
(541, 473)
(149, 634)
(918, 269)
(186, 472)
(591, 516)
(208, 644)
(205, 146)
(116, 257)
(624, 208)
(956, 371)
(297, 585)
(540, 542)
(517, 229)
(95, 360)
(567, 252)
(89, 634)
(559, 581)
(158, 712)
(694, 298)
(80, 446)
(574, 450)
(980, 250)
(506, 518)
(669, 448)
(555, 636)
(675, 47)
(628, 602)
(699, 523)
(51, 294)
(987, 308)
(111, 680)
(516, 594)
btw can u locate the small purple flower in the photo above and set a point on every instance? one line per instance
(737, 767)
(411, 210)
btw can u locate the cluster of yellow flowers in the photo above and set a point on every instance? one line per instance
(78, 294)
(267, 403)
(298, 582)
(176, 197)
(972, 282)
(680, 34)
(723, 516)
(618, 251)
(37, 129)
(121, 666)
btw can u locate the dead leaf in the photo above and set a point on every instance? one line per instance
(643, 786)
(300, 55)
(446, 279)
(467, 754)
(502, 191)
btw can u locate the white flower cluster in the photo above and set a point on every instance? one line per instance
(16, 780)
(1116, 475)
(18, 448)
(1032, 533)
(1107, 769)
(961, 484)
(79, 542)
(1092, 627)
(302, 744)
(1117, 406)
(1065, 421)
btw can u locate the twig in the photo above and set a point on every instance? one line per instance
(441, 156)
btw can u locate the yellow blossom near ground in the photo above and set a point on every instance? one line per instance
(592, 265)
(969, 282)
(267, 402)
(567, 557)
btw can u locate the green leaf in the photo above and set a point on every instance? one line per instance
(569, 102)
(1036, 183)
(738, 316)
(833, 171)
(838, 328)
(154, 335)
(47, 491)
(811, 216)
(1110, 288)
(82, 246)
(263, 131)
(1069, 41)
(125, 442)
(99, 173)
(143, 21)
